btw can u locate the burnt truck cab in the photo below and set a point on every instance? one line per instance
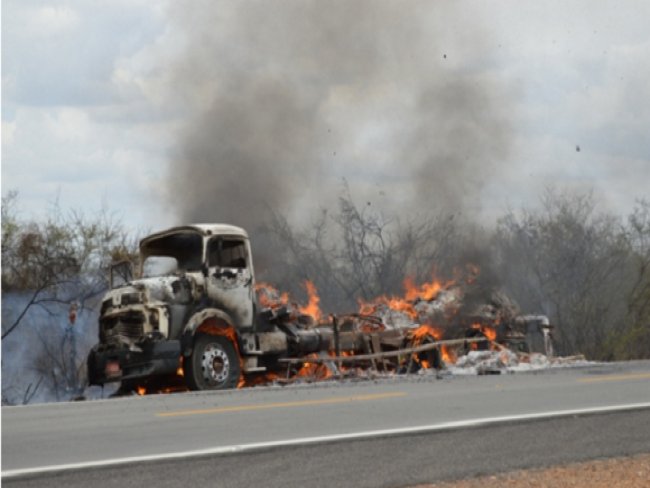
(191, 306)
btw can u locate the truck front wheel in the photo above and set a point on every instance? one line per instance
(214, 364)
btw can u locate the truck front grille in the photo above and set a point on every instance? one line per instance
(127, 328)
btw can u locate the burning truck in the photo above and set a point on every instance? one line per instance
(195, 312)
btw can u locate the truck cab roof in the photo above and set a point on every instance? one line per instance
(202, 229)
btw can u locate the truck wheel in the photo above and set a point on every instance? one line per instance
(214, 364)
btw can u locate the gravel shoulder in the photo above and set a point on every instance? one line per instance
(627, 472)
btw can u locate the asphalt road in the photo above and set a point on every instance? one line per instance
(384, 462)
(57, 434)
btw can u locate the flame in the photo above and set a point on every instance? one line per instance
(212, 327)
(312, 307)
(394, 303)
(314, 371)
(419, 334)
(406, 304)
(141, 390)
(270, 297)
(179, 370)
(417, 338)
(448, 355)
(487, 331)
(426, 291)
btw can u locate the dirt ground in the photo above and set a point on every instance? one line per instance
(632, 472)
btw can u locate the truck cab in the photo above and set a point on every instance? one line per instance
(193, 298)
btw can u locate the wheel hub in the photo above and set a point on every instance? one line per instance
(215, 364)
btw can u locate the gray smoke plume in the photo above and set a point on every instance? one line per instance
(288, 98)
(38, 363)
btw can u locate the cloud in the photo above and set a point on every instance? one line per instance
(65, 54)
(48, 20)
(8, 133)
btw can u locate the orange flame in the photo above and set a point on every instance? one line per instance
(393, 303)
(426, 291)
(314, 371)
(312, 307)
(270, 297)
(487, 331)
(448, 355)
(423, 331)
(179, 370)
(406, 304)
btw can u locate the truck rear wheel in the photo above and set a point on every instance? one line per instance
(214, 364)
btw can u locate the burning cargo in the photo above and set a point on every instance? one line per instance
(196, 312)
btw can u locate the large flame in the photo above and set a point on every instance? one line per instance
(426, 291)
(406, 304)
(312, 307)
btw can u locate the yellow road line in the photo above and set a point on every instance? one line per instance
(616, 377)
(265, 406)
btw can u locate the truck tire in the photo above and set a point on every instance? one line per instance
(214, 364)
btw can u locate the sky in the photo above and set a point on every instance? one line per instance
(119, 104)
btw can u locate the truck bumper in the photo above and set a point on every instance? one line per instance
(114, 363)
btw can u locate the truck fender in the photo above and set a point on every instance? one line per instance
(222, 320)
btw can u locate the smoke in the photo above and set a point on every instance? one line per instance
(37, 356)
(286, 99)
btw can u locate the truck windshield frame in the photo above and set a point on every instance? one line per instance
(227, 252)
(185, 247)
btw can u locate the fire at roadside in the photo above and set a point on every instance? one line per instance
(430, 329)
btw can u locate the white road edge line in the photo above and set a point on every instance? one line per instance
(239, 448)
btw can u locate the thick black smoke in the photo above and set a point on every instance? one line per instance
(288, 98)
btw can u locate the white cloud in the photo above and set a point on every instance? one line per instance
(68, 124)
(48, 20)
(8, 133)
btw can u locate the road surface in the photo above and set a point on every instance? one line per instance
(385, 433)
